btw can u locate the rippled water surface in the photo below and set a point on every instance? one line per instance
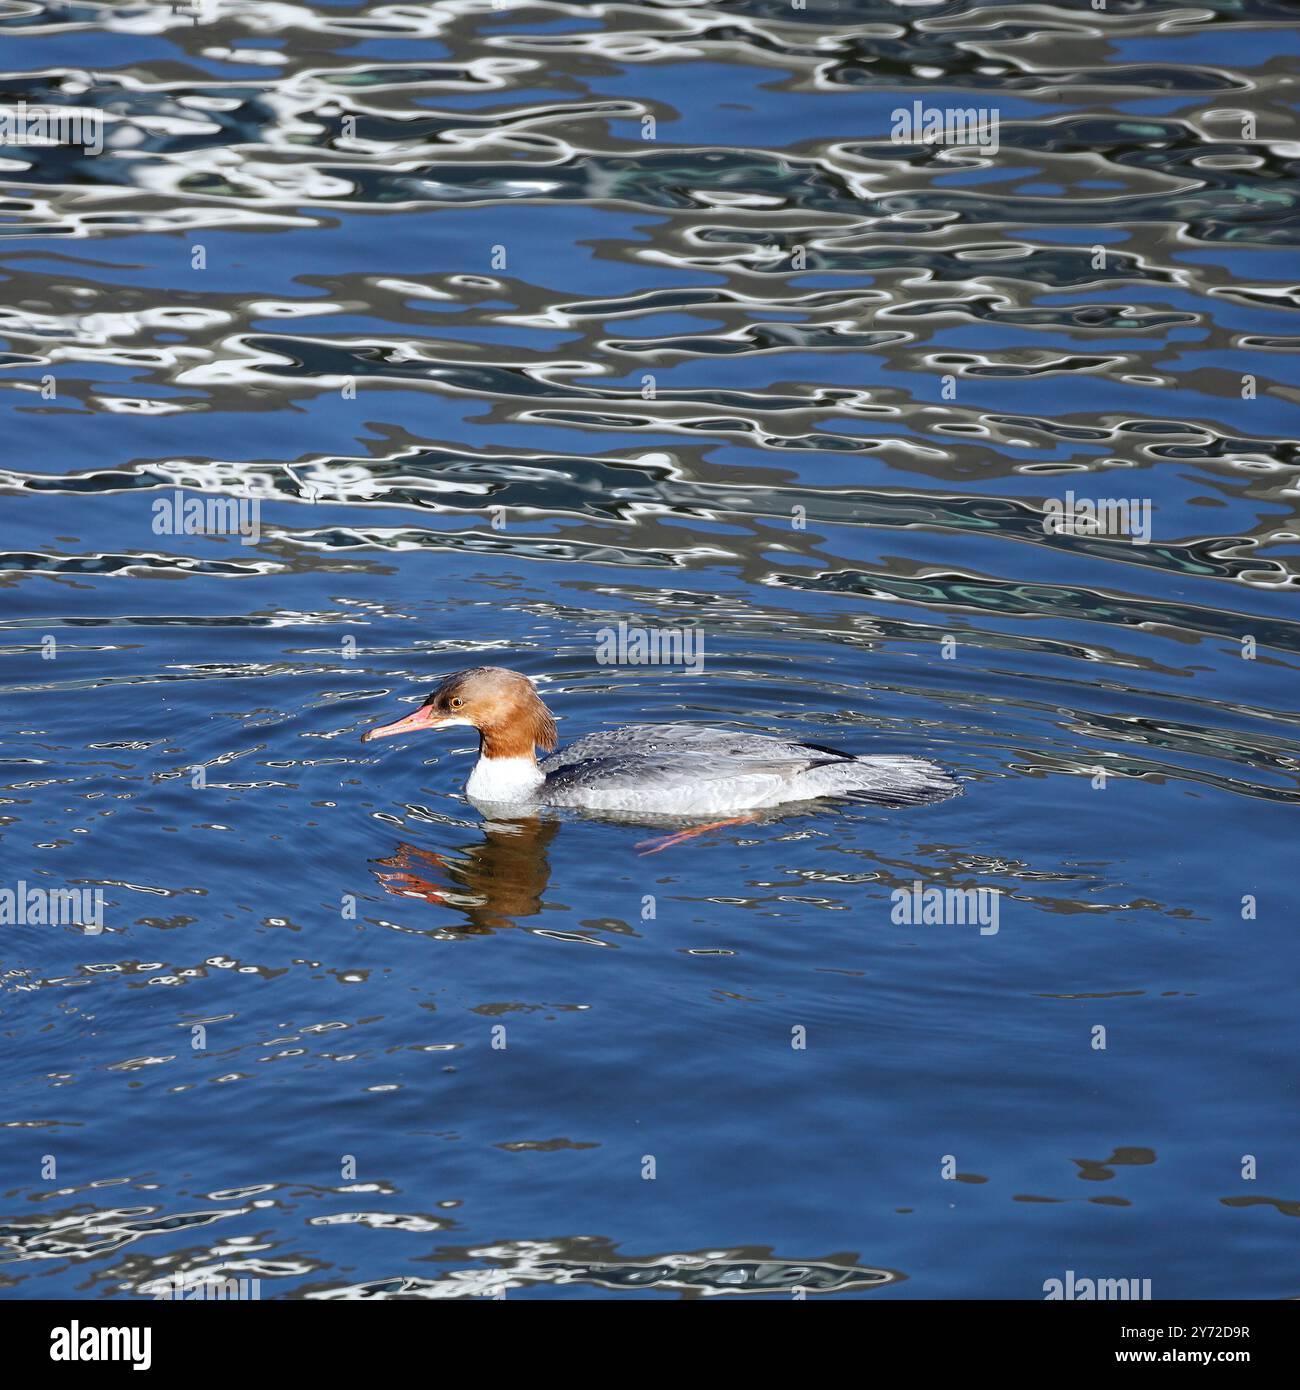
(514, 323)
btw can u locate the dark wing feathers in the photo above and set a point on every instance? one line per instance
(641, 754)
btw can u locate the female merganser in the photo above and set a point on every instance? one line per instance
(649, 769)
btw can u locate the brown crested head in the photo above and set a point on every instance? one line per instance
(502, 705)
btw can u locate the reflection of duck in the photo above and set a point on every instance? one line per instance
(492, 882)
(651, 769)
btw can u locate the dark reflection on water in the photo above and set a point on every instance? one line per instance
(494, 882)
(510, 325)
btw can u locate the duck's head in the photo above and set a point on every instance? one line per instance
(502, 705)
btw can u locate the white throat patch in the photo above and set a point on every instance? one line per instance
(504, 779)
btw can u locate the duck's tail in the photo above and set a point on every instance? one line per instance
(899, 781)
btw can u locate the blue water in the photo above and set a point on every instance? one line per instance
(343, 1033)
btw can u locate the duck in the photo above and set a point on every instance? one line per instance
(652, 770)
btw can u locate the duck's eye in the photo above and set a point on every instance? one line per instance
(456, 702)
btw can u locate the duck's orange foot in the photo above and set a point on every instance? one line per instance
(668, 841)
